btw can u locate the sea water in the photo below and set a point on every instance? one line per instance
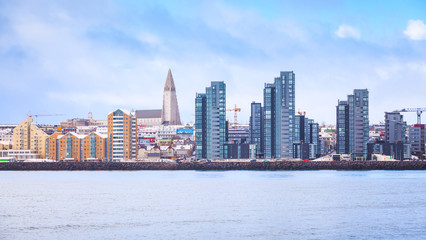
(213, 205)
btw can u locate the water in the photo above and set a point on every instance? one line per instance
(213, 205)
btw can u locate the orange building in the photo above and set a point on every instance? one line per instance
(76, 148)
(52, 146)
(122, 141)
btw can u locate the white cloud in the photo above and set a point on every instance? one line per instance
(346, 31)
(416, 30)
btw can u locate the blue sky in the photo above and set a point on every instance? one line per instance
(75, 57)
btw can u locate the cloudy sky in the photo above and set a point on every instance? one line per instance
(75, 57)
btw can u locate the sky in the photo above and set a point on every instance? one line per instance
(76, 57)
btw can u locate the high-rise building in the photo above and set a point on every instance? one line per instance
(201, 125)
(256, 127)
(353, 124)
(396, 128)
(170, 113)
(278, 113)
(269, 121)
(27, 136)
(122, 135)
(342, 128)
(210, 122)
(306, 143)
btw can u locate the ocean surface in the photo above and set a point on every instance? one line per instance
(213, 205)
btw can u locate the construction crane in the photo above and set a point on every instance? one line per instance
(235, 110)
(419, 112)
(43, 115)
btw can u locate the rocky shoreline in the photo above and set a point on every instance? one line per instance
(211, 166)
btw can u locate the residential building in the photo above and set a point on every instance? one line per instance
(256, 127)
(7, 126)
(239, 151)
(27, 136)
(306, 143)
(79, 122)
(353, 124)
(6, 135)
(269, 121)
(201, 125)
(279, 104)
(75, 147)
(210, 122)
(239, 133)
(417, 139)
(122, 138)
(342, 128)
(396, 128)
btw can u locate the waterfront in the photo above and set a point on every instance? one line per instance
(215, 166)
(213, 205)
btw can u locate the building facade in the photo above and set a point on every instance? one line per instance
(74, 147)
(269, 121)
(417, 139)
(278, 113)
(256, 127)
(352, 118)
(306, 143)
(201, 125)
(395, 127)
(210, 122)
(27, 136)
(342, 128)
(122, 135)
(239, 151)
(239, 133)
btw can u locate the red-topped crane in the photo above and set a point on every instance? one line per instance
(235, 110)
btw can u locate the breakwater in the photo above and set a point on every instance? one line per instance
(212, 166)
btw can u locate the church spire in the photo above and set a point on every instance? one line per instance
(170, 84)
(170, 113)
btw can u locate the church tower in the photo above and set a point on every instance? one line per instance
(170, 114)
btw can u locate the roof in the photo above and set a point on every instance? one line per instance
(155, 113)
(123, 110)
(101, 135)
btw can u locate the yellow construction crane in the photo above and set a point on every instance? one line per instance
(235, 110)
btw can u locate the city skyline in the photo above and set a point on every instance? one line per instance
(62, 58)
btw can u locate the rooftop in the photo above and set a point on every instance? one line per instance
(154, 113)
